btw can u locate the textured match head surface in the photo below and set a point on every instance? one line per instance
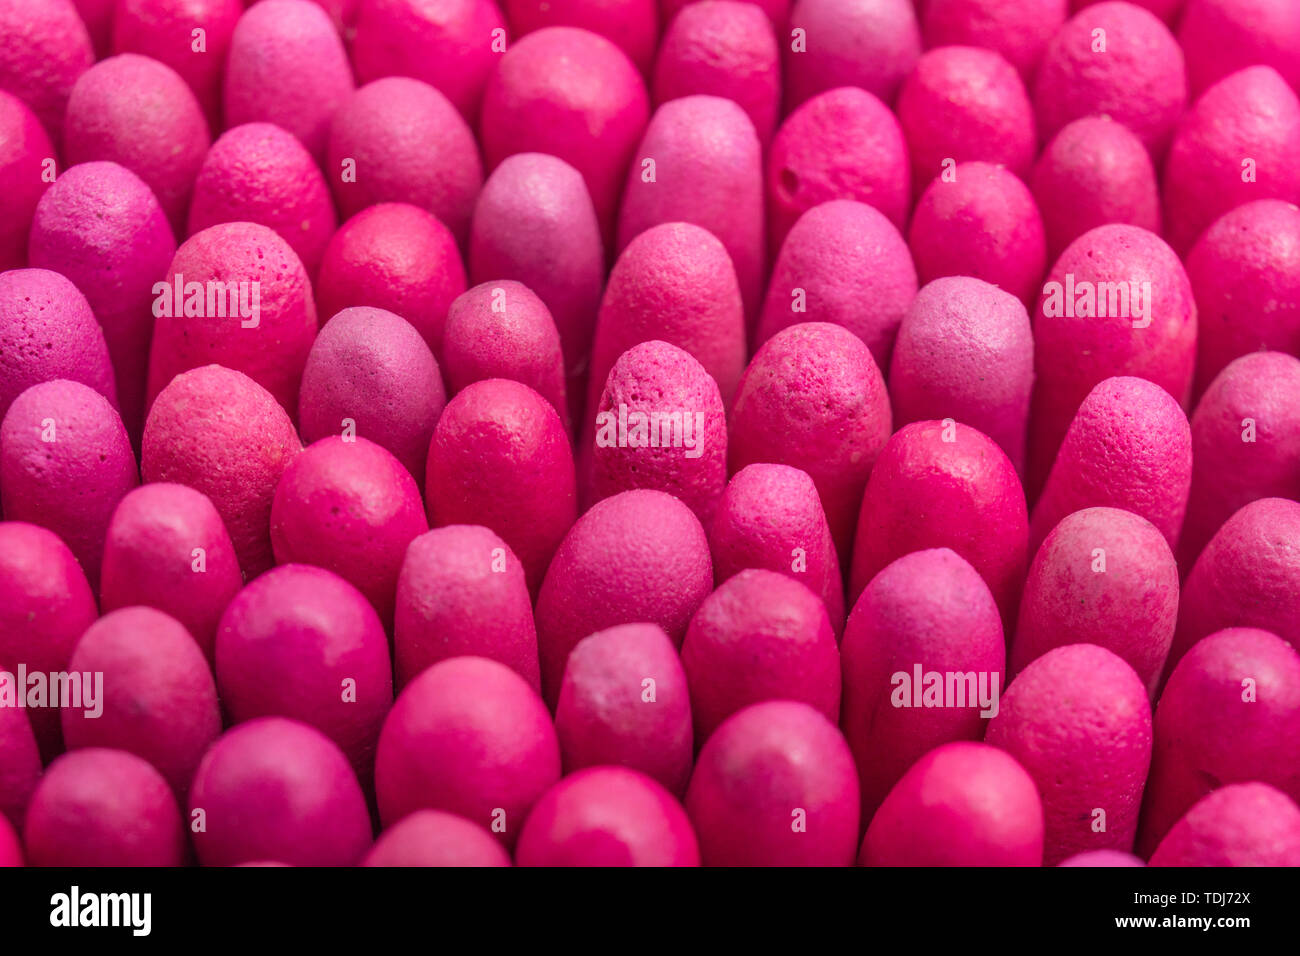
(571, 93)
(962, 804)
(408, 144)
(1137, 78)
(224, 435)
(1219, 37)
(101, 807)
(965, 103)
(1230, 713)
(287, 66)
(770, 516)
(965, 351)
(276, 789)
(845, 263)
(813, 398)
(468, 736)
(632, 24)
(398, 257)
(50, 49)
(607, 816)
(1242, 824)
(371, 366)
(1248, 115)
(760, 636)
(638, 556)
(929, 609)
(1078, 720)
(436, 838)
(462, 591)
(349, 506)
(1094, 171)
(48, 331)
(27, 148)
(260, 173)
(1018, 29)
(20, 763)
(872, 46)
(841, 144)
(65, 462)
(775, 786)
(983, 224)
(159, 699)
(1102, 576)
(624, 701)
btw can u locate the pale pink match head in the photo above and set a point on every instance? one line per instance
(1106, 858)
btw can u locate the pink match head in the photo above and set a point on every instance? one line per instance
(631, 24)
(46, 49)
(1018, 29)
(1219, 37)
(1242, 824)
(27, 150)
(435, 838)
(872, 46)
(1110, 858)
(20, 760)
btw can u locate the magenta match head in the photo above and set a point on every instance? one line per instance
(1245, 272)
(1078, 720)
(45, 607)
(1245, 444)
(1094, 171)
(775, 786)
(846, 43)
(1102, 576)
(348, 505)
(26, 150)
(370, 374)
(468, 736)
(1114, 59)
(640, 556)
(500, 457)
(1242, 824)
(167, 548)
(158, 699)
(624, 700)
(301, 642)
(397, 257)
(276, 789)
(224, 435)
(778, 11)
(1108, 858)
(1236, 144)
(45, 49)
(162, 30)
(661, 424)
(100, 807)
(928, 612)
(608, 816)
(1229, 714)
(1117, 302)
(571, 93)
(770, 516)
(287, 66)
(462, 592)
(813, 398)
(501, 329)
(942, 484)
(1018, 29)
(65, 463)
(11, 850)
(962, 804)
(101, 226)
(700, 161)
(235, 294)
(965, 351)
(1129, 447)
(139, 113)
(404, 142)
(534, 222)
(632, 24)
(841, 144)
(983, 223)
(845, 263)
(760, 636)
(449, 44)
(48, 331)
(1219, 37)
(435, 838)
(1247, 576)
(965, 103)
(20, 761)
(259, 173)
(723, 48)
